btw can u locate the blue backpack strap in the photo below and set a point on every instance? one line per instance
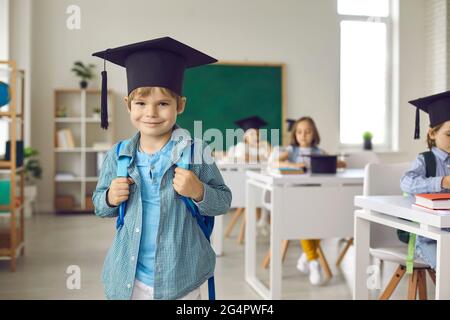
(206, 223)
(123, 163)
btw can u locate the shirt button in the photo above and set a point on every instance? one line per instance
(137, 229)
(132, 258)
(128, 286)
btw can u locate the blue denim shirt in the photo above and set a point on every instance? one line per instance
(414, 181)
(184, 258)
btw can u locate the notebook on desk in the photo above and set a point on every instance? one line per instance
(439, 212)
(287, 171)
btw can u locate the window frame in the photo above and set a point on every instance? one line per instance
(388, 21)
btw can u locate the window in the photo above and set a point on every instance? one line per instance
(365, 75)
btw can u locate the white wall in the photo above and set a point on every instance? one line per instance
(21, 51)
(4, 30)
(304, 34)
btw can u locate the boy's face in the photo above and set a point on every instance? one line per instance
(304, 134)
(442, 137)
(154, 115)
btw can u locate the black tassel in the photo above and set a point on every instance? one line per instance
(417, 130)
(104, 101)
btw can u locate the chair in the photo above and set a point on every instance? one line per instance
(285, 244)
(384, 179)
(357, 160)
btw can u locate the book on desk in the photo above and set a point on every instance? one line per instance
(287, 171)
(434, 200)
(436, 203)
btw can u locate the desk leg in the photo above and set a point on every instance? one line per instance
(275, 246)
(443, 268)
(362, 258)
(250, 232)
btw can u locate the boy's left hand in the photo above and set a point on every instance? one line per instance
(187, 184)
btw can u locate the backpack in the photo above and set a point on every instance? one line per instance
(206, 223)
(430, 164)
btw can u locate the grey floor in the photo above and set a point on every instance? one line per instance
(55, 242)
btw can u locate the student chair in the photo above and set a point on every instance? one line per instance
(384, 179)
(285, 244)
(357, 160)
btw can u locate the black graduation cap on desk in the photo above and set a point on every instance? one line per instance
(437, 106)
(290, 123)
(323, 163)
(154, 63)
(253, 122)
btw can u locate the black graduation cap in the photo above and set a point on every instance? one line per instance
(323, 163)
(290, 123)
(437, 106)
(253, 122)
(154, 63)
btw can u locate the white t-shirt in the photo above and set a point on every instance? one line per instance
(239, 151)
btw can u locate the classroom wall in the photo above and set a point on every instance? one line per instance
(21, 51)
(4, 30)
(303, 34)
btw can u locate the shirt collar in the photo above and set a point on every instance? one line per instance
(441, 154)
(181, 139)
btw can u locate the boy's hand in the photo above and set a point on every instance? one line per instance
(187, 184)
(445, 183)
(119, 190)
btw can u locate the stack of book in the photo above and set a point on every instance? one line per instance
(286, 171)
(65, 139)
(438, 203)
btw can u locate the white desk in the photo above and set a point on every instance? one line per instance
(302, 207)
(387, 210)
(234, 176)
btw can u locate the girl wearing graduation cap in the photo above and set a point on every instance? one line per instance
(252, 149)
(429, 172)
(159, 250)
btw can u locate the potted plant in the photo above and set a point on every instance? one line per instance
(85, 72)
(367, 136)
(33, 172)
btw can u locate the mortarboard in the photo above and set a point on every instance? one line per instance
(253, 122)
(437, 106)
(323, 163)
(290, 123)
(154, 63)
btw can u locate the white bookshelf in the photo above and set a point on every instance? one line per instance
(76, 170)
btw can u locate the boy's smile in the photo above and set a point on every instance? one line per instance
(154, 114)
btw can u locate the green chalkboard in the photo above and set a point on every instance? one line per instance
(220, 94)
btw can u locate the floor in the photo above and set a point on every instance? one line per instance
(55, 242)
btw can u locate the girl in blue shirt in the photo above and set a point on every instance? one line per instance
(305, 139)
(415, 180)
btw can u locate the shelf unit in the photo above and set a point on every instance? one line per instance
(81, 161)
(12, 231)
